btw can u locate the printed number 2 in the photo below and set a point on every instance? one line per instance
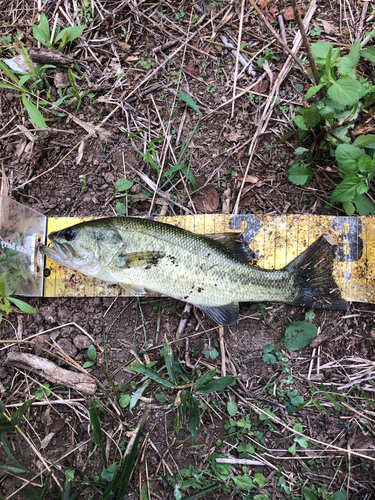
(350, 248)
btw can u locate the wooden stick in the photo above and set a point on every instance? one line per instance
(306, 42)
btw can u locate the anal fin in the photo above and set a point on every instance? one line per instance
(225, 315)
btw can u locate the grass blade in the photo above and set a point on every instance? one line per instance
(169, 361)
(34, 113)
(116, 489)
(97, 431)
(203, 493)
(193, 417)
(7, 449)
(152, 374)
(21, 411)
(44, 490)
(216, 385)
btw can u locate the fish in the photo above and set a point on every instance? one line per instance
(212, 272)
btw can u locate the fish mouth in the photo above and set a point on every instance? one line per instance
(62, 253)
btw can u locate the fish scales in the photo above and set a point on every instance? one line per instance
(143, 256)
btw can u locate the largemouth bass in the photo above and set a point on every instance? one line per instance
(215, 274)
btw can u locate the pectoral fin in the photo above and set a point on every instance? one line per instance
(134, 289)
(227, 314)
(128, 260)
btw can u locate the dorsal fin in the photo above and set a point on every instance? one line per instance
(234, 243)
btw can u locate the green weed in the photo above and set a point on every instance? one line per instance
(329, 120)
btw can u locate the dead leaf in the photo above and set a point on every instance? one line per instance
(262, 86)
(233, 136)
(364, 129)
(240, 153)
(289, 12)
(206, 200)
(58, 425)
(192, 69)
(328, 27)
(262, 3)
(124, 46)
(249, 178)
(132, 58)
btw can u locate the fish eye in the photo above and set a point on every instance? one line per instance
(70, 234)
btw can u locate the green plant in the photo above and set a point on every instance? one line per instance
(180, 14)
(92, 355)
(268, 56)
(146, 63)
(44, 392)
(42, 34)
(122, 185)
(316, 31)
(6, 301)
(343, 94)
(300, 333)
(189, 388)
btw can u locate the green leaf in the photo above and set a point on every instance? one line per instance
(243, 482)
(68, 35)
(193, 417)
(123, 184)
(216, 385)
(313, 90)
(347, 157)
(181, 410)
(5, 443)
(308, 494)
(160, 397)
(363, 205)
(203, 493)
(365, 164)
(348, 207)
(34, 113)
(39, 35)
(292, 449)
(347, 189)
(124, 400)
(369, 54)
(232, 408)
(345, 67)
(363, 141)
(320, 52)
(299, 334)
(299, 121)
(121, 208)
(87, 364)
(152, 374)
(259, 479)
(2, 288)
(338, 495)
(327, 112)
(222, 471)
(95, 425)
(169, 361)
(189, 101)
(138, 393)
(44, 26)
(345, 91)
(21, 411)
(91, 353)
(300, 174)
(300, 151)
(311, 117)
(262, 496)
(205, 379)
(24, 306)
(117, 488)
(266, 414)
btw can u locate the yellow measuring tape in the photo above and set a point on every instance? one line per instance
(274, 240)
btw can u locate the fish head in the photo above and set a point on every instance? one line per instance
(76, 247)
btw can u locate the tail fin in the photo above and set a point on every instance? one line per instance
(313, 277)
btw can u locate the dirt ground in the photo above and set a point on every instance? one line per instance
(68, 172)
